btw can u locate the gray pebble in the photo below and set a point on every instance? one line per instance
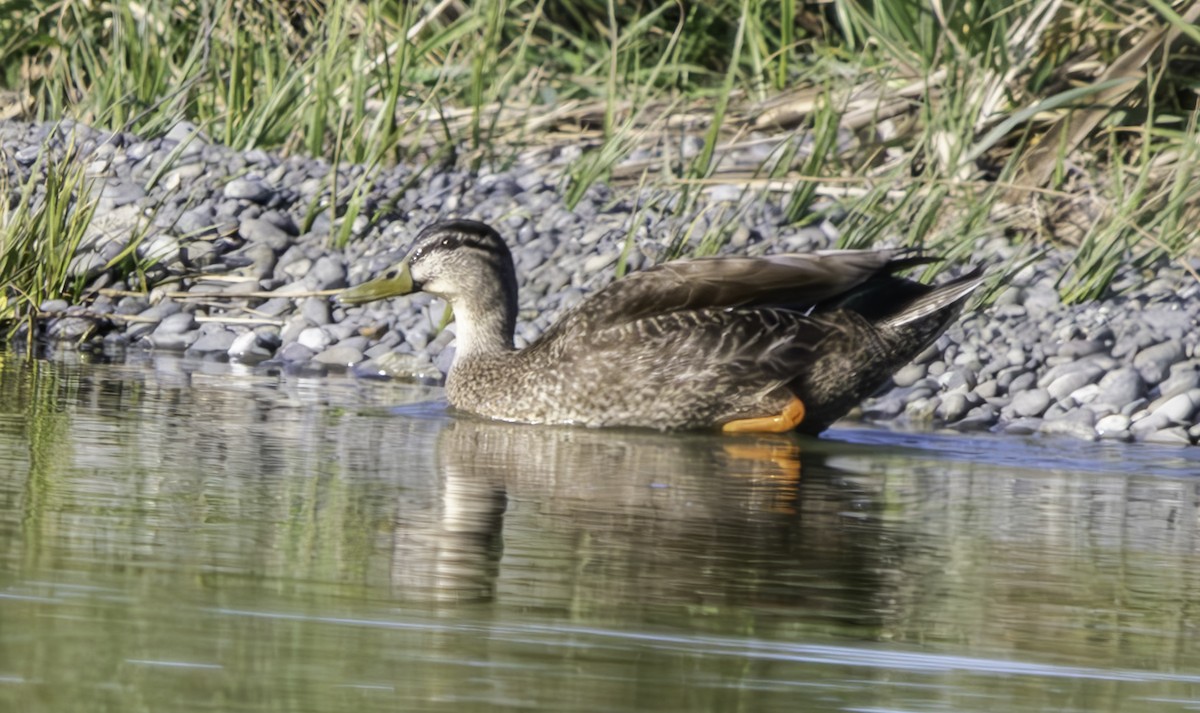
(295, 353)
(953, 407)
(1155, 362)
(172, 341)
(315, 310)
(1114, 427)
(1031, 403)
(243, 344)
(1080, 348)
(1079, 423)
(1172, 436)
(177, 323)
(328, 273)
(884, 409)
(70, 329)
(909, 375)
(1023, 426)
(957, 379)
(1064, 385)
(1180, 381)
(1122, 386)
(314, 338)
(1180, 408)
(339, 355)
(28, 155)
(1022, 382)
(261, 231)
(249, 189)
(117, 194)
(1147, 424)
(213, 338)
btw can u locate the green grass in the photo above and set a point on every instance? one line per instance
(941, 123)
(38, 239)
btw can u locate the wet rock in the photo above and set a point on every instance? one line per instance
(246, 348)
(1172, 436)
(952, 407)
(1079, 423)
(70, 329)
(296, 352)
(1023, 426)
(172, 341)
(339, 355)
(403, 366)
(1147, 424)
(213, 338)
(1114, 427)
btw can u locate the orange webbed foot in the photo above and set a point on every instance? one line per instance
(791, 417)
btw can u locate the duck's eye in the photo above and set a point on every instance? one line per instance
(448, 242)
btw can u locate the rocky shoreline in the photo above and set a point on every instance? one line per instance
(245, 251)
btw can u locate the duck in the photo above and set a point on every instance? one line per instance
(737, 344)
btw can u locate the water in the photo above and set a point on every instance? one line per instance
(183, 536)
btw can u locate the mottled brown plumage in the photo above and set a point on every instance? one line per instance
(688, 344)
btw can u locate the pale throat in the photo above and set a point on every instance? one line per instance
(481, 329)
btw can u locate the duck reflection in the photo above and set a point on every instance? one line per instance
(591, 520)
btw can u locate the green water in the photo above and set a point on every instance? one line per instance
(183, 536)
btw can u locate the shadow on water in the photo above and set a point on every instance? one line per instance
(180, 535)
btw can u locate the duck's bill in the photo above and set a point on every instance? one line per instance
(395, 282)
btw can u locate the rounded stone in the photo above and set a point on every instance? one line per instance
(1063, 386)
(1154, 363)
(316, 310)
(262, 231)
(243, 344)
(314, 338)
(1114, 427)
(296, 352)
(217, 339)
(1180, 408)
(177, 323)
(953, 407)
(1122, 386)
(339, 355)
(909, 375)
(1031, 403)
(1172, 436)
(249, 189)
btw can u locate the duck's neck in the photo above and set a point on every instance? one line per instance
(484, 325)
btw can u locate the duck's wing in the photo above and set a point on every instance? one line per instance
(793, 280)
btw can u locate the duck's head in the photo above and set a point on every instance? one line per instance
(462, 261)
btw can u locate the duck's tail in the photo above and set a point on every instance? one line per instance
(944, 301)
